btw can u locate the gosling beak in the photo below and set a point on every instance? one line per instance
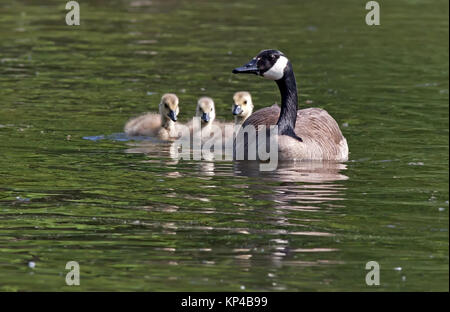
(172, 115)
(237, 110)
(249, 68)
(205, 117)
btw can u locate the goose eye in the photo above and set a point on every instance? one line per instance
(167, 106)
(245, 102)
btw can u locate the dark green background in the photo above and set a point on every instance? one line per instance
(142, 221)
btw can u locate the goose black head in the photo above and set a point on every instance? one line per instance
(270, 64)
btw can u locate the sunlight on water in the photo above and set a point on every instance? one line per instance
(74, 187)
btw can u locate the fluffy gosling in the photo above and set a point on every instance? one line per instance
(242, 107)
(161, 125)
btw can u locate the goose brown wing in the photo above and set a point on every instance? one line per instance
(318, 125)
(265, 116)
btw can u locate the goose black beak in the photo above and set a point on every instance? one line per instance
(172, 115)
(249, 68)
(205, 117)
(237, 110)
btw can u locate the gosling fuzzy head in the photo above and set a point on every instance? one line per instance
(206, 110)
(242, 107)
(168, 107)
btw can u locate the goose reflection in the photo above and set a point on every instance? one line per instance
(291, 171)
(298, 185)
(155, 149)
(294, 202)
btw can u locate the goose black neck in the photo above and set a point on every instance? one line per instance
(289, 101)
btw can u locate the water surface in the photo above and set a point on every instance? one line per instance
(73, 188)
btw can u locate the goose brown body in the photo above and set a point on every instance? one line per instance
(306, 134)
(322, 138)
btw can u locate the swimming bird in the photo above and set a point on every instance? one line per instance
(206, 110)
(160, 125)
(306, 134)
(242, 107)
(210, 129)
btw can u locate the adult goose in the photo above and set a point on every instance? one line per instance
(306, 134)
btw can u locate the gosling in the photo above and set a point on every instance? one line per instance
(242, 107)
(160, 125)
(206, 111)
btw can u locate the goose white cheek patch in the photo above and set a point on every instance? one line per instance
(277, 70)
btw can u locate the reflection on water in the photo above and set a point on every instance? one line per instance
(305, 187)
(286, 171)
(143, 220)
(304, 171)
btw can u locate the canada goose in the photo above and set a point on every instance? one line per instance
(161, 125)
(307, 134)
(242, 107)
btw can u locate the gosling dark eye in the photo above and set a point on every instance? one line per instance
(167, 106)
(245, 102)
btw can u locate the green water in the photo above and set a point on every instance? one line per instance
(135, 219)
